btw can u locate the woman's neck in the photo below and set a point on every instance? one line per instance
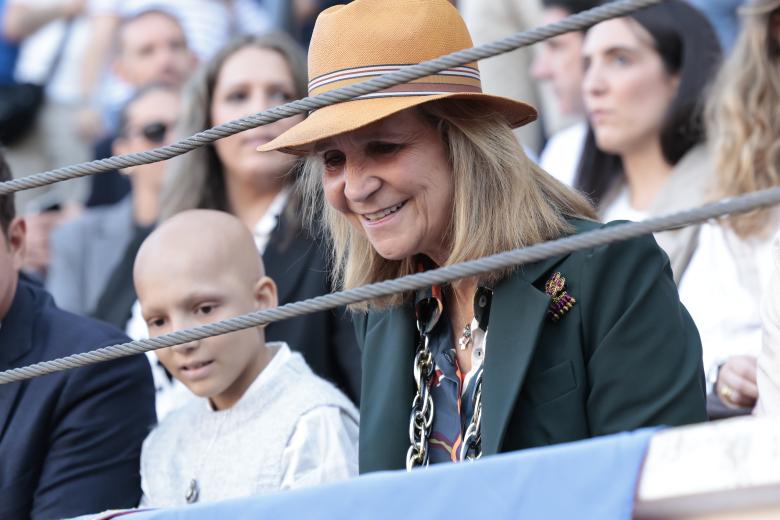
(461, 312)
(146, 204)
(248, 203)
(463, 298)
(646, 172)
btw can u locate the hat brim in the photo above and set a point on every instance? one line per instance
(345, 117)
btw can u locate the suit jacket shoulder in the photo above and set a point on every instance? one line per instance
(85, 252)
(70, 441)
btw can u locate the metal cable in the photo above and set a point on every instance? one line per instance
(576, 22)
(487, 264)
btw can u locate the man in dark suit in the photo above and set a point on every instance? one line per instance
(70, 442)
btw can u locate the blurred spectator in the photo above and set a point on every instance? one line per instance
(559, 62)
(54, 38)
(50, 31)
(70, 442)
(88, 249)
(722, 14)
(250, 75)
(151, 47)
(644, 77)
(732, 266)
(507, 74)
(304, 13)
(9, 50)
(208, 24)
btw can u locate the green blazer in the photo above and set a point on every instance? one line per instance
(627, 355)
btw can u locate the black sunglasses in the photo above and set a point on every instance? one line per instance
(155, 132)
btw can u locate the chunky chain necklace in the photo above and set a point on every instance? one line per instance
(428, 311)
(471, 449)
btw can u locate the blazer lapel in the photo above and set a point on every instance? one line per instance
(517, 315)
(388, 354)
(15, 345)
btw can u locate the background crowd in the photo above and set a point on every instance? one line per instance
(646, 115)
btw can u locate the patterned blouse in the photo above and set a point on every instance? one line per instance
(452, 390)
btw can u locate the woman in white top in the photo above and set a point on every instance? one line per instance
(249, 75)
(768, 373)
(727, 277)
(643, 77)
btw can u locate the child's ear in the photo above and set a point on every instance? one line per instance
(265, 293)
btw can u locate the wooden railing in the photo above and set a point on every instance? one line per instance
(720, 470)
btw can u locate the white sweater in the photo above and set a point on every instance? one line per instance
(289, 429)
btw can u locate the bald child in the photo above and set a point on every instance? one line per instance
(265, 421)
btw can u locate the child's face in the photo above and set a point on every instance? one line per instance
(193, 293)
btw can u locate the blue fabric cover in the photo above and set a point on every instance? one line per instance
(592, 479)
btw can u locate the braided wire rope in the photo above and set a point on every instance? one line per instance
(409, 73)
(534, 253)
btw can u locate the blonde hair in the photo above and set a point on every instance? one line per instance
(743, 122)
(501, 201)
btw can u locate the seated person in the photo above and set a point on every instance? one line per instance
(266, 421)
(150, 47)
(644, 155)
(90, 253)
(70, 442)
(730, 271)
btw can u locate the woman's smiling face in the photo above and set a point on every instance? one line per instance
(393, 180)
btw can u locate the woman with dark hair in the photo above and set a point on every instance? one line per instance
(249, 75)
(645, 76)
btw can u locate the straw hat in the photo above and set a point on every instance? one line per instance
(367, 38)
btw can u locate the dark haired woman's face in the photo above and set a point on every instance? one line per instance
(627, 89)
(250, 81)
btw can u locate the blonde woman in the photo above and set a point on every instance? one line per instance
(726, 278)
(429, 174)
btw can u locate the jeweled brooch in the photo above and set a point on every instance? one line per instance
(562, 301)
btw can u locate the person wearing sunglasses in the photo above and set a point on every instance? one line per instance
(88, 253)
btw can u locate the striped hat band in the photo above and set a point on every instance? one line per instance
(454, 80)
(365, 39)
